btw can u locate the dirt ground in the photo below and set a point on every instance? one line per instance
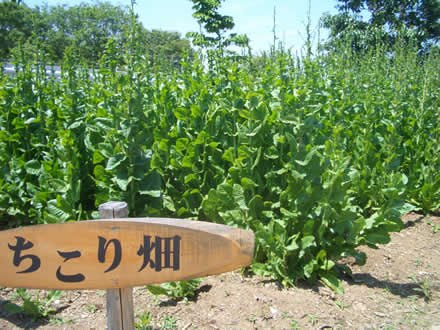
(398, 288)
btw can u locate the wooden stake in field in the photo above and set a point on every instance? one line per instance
(120, 311)
(118, 253)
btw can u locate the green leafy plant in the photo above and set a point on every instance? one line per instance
(317, 156)
(92, 308)
(181, 289)
(168, 322)
(34, 307)
(425, 287)
(435, 226)
(144, 321)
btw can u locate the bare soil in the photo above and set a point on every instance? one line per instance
(399, 287)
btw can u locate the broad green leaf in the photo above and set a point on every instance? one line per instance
(157, 290)
(97, 157)
(361, 258)
(187, 162)
(229, 155)
(256, 206)
(327, 265)
(378, 238)
(151, 185)
(260, 269)
(181, 113)
(122, 179)
(56, 212)
(405, 208)
(33, 167)
(238, 194)
(248, 183)
(106, 149)
(332, 282)
(182, 144)
(292, 246)
(115, 161)
(99, 172)
(168, 203)
(13, 308)
(307, 241)
(309, 268)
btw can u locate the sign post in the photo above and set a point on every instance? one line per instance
(118, 253)
(120, 312)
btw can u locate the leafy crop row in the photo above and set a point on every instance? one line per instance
(315, 156)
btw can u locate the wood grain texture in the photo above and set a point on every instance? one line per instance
(120, 310)
(204, 249)
(114, 313)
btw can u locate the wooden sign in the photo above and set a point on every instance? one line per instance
(119, 253)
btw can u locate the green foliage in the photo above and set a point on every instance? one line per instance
(87, 28)
(15, 25)
(168, 322)
(181, 289)
(435, 226)
(35, 308)
(164, 49)
(144, 322)
(206, 12)
(417, 21)
(317, 157)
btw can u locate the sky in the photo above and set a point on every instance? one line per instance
(254, 18)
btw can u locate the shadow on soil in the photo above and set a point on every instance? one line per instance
(404, 290)
(412, 223)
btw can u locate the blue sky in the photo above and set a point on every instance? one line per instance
(251, 17)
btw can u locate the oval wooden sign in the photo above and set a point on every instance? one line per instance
(118, 253)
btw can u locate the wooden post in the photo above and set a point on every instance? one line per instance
(120, 312)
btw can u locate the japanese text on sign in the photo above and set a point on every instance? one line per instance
(166, 255)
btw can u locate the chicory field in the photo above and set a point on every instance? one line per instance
(316, 155)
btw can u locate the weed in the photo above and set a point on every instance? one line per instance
(182, 289)
(435, 226)
(35, 308)
(285, 315)
(252, 318)
(168, 322)
(59, 321)
(294, 325)
(313, 319)
(144, 321)
(425, 287)
(91, 308)
(340, 303)
(101, 293)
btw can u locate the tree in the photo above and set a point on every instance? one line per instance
(216, 25)
(88, 28)
(419, 18)
(15, 26)
(164, 48)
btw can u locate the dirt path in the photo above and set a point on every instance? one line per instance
(399, 287)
